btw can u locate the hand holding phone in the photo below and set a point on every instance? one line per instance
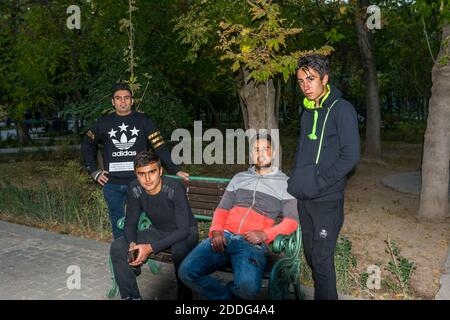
(132, 255)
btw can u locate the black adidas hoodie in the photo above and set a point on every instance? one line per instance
(123, 137)
(324, 159)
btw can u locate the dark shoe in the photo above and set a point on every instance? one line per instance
(130, 298)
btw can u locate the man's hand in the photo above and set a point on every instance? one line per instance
(255, 237)
(183, 175)
(218, 241)
(100, 176)
(144, 251)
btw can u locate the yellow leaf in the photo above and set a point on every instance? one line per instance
(235, 66)
(245, 49)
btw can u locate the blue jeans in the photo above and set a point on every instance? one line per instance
(115, 197)
(247, 260)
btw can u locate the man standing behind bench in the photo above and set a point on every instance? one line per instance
(123, 134)
(173, 225)
(327, 151)
(242, 227)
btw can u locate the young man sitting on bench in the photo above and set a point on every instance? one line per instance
(242, 227)
(173, 226)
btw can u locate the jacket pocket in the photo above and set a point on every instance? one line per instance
(303, 183)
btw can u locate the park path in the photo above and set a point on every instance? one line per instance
(36, 264)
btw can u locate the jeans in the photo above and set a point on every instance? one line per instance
(126, 275)
(115, 197)
(247, 260)
(321, 223)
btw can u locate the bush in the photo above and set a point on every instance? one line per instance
(71, 205)
(405, 131)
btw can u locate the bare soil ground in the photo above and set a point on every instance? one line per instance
(373, 211)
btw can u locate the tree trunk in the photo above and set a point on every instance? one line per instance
(258, 105)
(278, 98)
(216, 123)
(373, 117)
(408, 107)
(436, 150)
(389, 103)
(22, 133)
(259, 101)
(294, 103)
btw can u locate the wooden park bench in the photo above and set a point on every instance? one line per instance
(284, 263)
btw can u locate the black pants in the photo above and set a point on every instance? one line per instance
(125, 274)
(321, 223)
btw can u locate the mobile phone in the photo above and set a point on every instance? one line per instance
(132, 255)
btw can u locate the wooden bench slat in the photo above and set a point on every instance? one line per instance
(205, 191)
(202, 198)
(208, 185)
(203, 205)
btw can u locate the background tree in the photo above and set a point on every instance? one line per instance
(436, 151)
(372, 100)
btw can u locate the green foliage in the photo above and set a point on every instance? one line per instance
(407, 131)
(157, 98)
(334, 36)
(433, 8)
(345, 262)
(440, 11)
(259, 48)
(163, 106)
(67, 204)
(203, 229)
(129, 56)
(192, 31)
(445, 59)
(400, 267)
(49, 68)
(44, 64)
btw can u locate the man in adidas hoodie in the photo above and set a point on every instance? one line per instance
(327, 151)
(243, 225)
(123, 134)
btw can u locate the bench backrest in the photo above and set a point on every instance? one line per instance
(204, 194)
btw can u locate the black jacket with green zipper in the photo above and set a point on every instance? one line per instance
(325, 157)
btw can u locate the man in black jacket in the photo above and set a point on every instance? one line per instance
(123, 134)
(327, 151)
(173, 225)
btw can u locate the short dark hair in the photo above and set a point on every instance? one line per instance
(120, 86)
(314, 61)
(144, 158)
(262, 136)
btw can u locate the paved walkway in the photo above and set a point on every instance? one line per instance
(444, 291)
(36, 264)
(406, 182)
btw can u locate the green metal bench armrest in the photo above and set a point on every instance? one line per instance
(200, 178)
(286, 271)
(289, 244)
(143, 224)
